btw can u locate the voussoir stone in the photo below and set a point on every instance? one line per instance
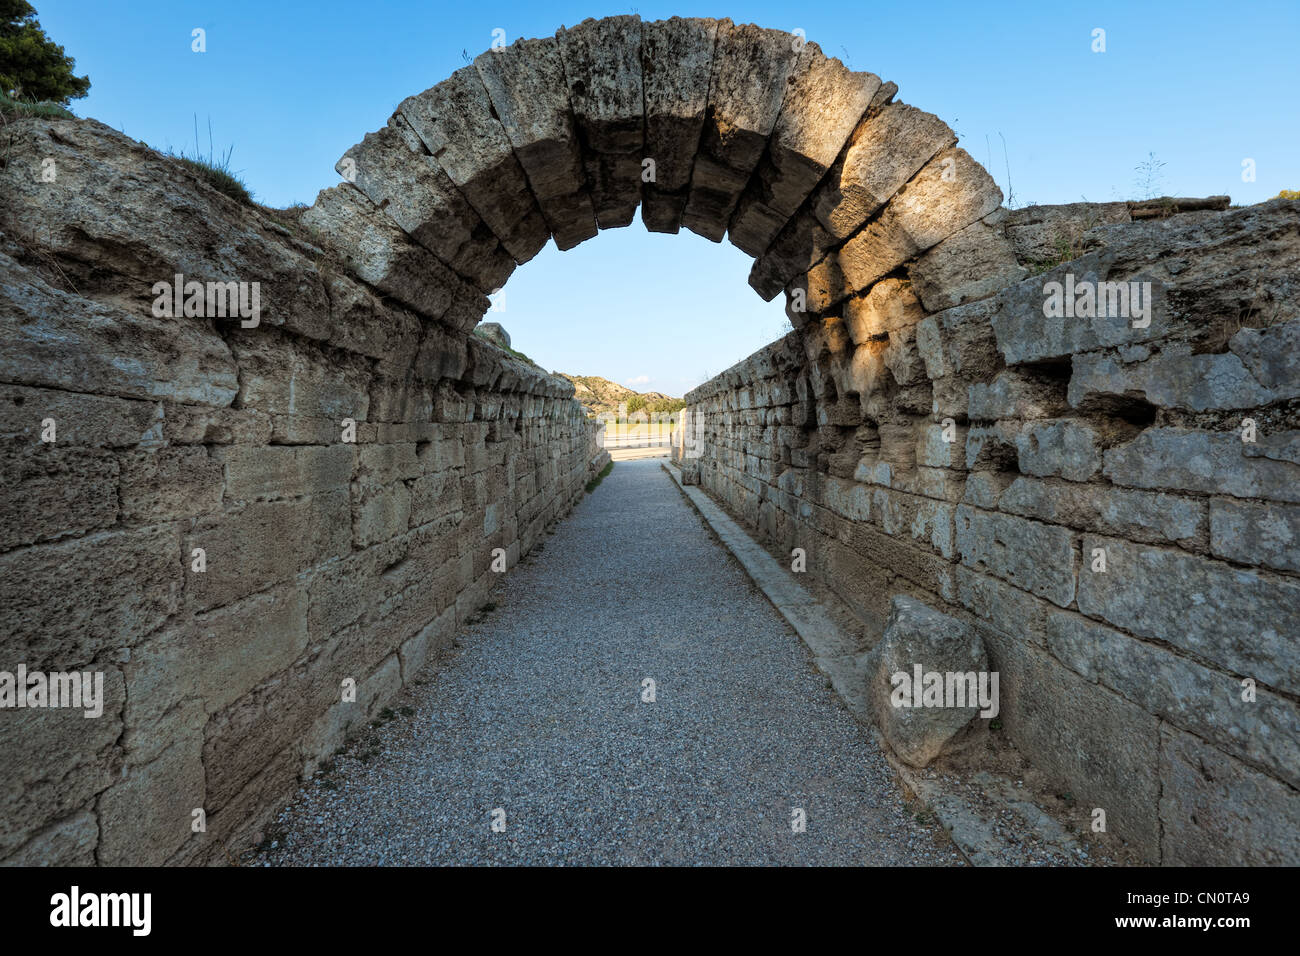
(529, 91)
(822, 106)
(410, 186)
(381, 254)
(458, 126)
(676, 63)
(950, 193)
(602, 63)
(750, 69)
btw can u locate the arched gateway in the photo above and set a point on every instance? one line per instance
(811, 168)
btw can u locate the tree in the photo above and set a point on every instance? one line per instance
(33, 66)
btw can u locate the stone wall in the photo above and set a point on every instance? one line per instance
(327, 560)
(937, 435)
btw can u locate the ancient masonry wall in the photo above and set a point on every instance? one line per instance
(940, 436)
(327, 560)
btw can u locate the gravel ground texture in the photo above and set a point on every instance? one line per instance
(537, 717)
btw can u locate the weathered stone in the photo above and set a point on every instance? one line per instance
(1175, 378)
(937, 447)
(148, 815)
(126, 217)
(168, 483)
(360, 235)
(801, 243)
(1265, 730)
(1063, 446)
(1039, 558)
(70, 842)
(1253, 533)
(1137, 515)
(56, 759)
(992, 446)
(1051, 233)
(1270, 355)
(284, 377)
(81, 421)
(1215, 810)
(1184, 599)
(950, 193)
(395, 171)
(1183, 459)
(971, 264)
(1101, 747)
(602, 66)
(676, 62)
(886, 151)
(214, 660)
(456, 123)
(39, 625)
(63, 341)
(526, 84)
(50, 492)
(284, 471)
(751, 66)
(264, 543)
(919, 638)
(381, 513)
(958, 342)
(822, 105)
(197, 425)
(1013, 393)
(888, 308)
(1005, 608)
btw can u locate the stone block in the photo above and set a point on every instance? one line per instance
(1217, 811)
(1185, 599)
(602, 66)
(1185, 459)
(1038, 558)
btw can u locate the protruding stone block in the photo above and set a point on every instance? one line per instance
(921, 640)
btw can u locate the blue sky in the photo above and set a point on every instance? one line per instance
(291, 85)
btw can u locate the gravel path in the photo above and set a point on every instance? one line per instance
(539, 712)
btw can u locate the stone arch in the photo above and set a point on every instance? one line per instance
(812, 169)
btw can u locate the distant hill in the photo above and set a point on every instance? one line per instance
(600, 395)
